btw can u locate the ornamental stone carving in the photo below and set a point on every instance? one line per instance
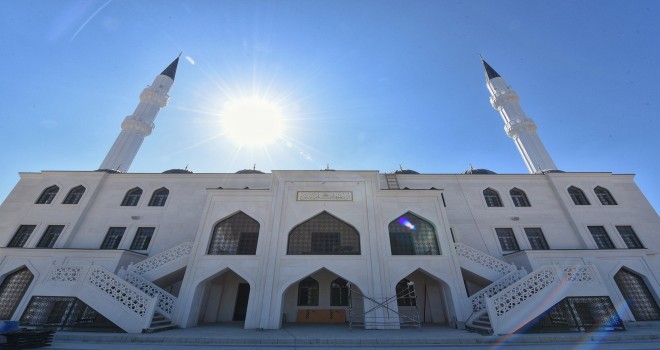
(178, 252)
(67, 274)
(325, 196)
(165, 301)
(581, 273)
(478, 300)
(483, 259)
(111, 285)
(524, 289)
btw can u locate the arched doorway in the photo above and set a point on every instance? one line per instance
(420, 292)
(322, 297)
(225, 298)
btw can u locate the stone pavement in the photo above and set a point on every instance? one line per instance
(299, 336)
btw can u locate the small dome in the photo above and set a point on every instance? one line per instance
(110, 171)
(479, 172)
(177, 171)
(406, 171)
(249, 171)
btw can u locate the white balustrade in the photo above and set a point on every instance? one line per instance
(166, 301)
(483, 259)
(478, 299)
(182, 250)
(520, 296)
(130, 298)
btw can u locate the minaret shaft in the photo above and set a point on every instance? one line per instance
(140, 124)
(517, 125)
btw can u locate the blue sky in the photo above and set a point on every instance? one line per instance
(364, 84)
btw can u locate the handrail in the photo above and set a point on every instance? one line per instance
(483, 259)
(166, 301)
(162, 258)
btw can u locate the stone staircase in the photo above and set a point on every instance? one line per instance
(516, 297)
(159, 323)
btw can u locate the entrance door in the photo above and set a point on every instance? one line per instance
(240, 310)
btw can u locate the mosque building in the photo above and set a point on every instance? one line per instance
(496, 253)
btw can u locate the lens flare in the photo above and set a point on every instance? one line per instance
(405, 222)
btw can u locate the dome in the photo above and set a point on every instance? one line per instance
(110, 171)
(479, 172)
(406, 171)
(177, 171)
(249, 171)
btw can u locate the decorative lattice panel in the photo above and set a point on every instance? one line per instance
(12, 290)
(483, 259)
(637, 295)
(236, 235)
(412, 235)
(181, 251)
(324, 234)
(114, 287)
(166, 301)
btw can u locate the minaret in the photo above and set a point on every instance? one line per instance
(139, 125)
(516, 124)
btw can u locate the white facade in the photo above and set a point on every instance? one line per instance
(132, 246)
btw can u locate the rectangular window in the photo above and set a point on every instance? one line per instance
(629, 237)
(325, 242)
(113, 237)
(507, 239)
(21, 236)
(599, 234)
(536, 238)
(142, 238)
(50, 236)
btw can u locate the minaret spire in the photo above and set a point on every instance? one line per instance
(516, 124)
(139, 125)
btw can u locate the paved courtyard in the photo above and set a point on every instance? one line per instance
(322, 337)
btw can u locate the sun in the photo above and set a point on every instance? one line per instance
(252, 122)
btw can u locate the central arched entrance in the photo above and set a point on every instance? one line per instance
(321, 297)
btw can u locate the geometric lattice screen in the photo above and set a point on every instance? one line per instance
(324, 234)
(412, 235)
(577, 314)
(64, 313)
(637, 295)
(12, 290)
(235, 235)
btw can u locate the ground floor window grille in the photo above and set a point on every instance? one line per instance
(308, 292)
(577, 314)
(637, 295)
(235, 235)
(12, 290)
(64, 313)
(339, 292)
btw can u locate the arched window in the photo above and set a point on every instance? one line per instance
(235, 235)
(577, 196)
(339, 292)
(12, 290)
(324, 234)
(132, 197)
(308, 292)
(48, 195)
(519, 198)
(637, 296)
(604, 196)
(492, 198)
(159, 197)
(405, 293)
(412, 235)
(73, 197)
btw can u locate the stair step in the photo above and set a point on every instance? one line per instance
(153, 329)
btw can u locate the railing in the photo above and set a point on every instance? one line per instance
(166, 301)
(107, 283)
(478, 299)
(162, 258)
(542, 280)
(483, 259)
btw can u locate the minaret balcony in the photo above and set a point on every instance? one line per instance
(515, 126)
(502, 97)
(138, 126)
